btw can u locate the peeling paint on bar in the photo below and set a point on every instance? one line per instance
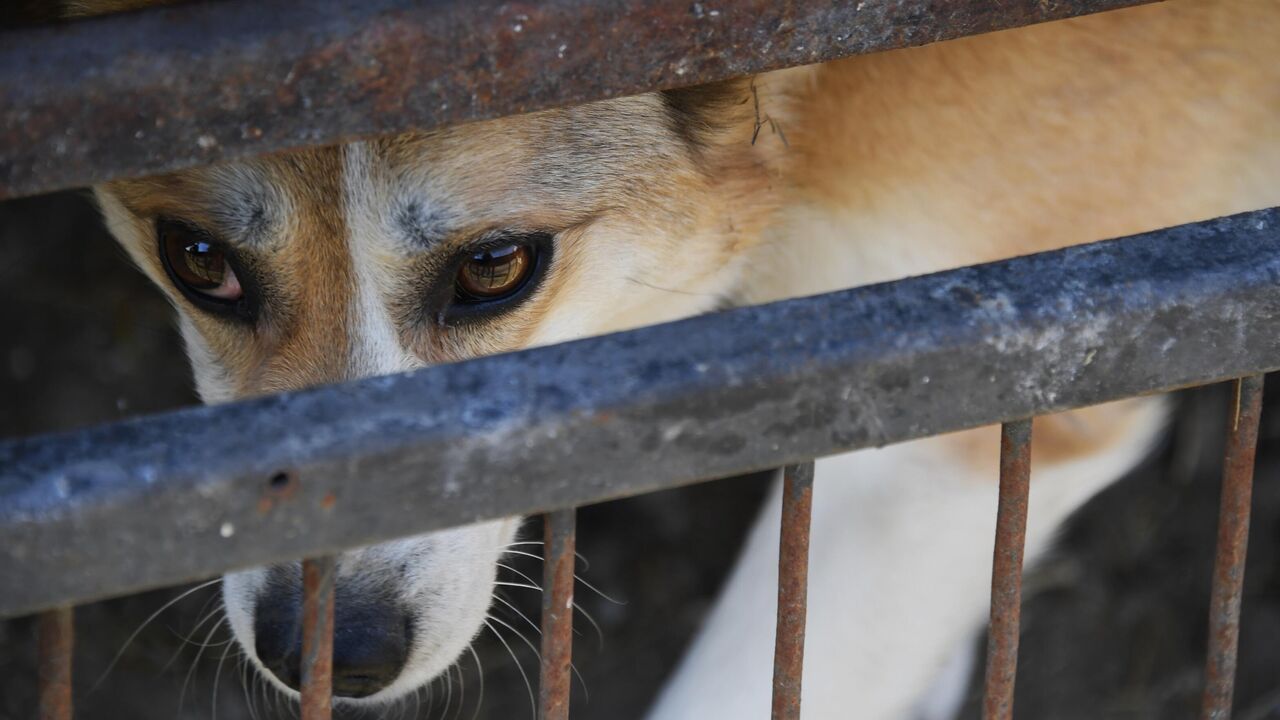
(169, 88)
(527, 432)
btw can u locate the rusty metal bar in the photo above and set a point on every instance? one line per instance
(56, 631)
(184, 86)
(661, 406)
(557, 614)
(1233, 542)
(793, 586)
(318, 576)
(1006, 570)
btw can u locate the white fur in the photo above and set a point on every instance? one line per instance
(900, 572)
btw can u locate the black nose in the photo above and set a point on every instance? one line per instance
(370, 643)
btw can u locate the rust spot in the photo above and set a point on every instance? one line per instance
(328, 501)
(281, 487)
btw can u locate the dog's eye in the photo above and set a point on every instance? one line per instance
(495, 274)
(197, 265)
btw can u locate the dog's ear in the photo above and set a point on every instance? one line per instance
(730, 123)
(86, 8)
(705, 116)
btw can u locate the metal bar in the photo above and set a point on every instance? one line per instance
(1006, 570)
(1233, 543)
(793, 587)
(186, 86)
(318, 575)
(712, 396)
(56, 631)
(557, 614)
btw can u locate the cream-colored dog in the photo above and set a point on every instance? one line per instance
(380, 256)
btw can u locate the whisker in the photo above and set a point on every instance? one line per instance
(145, 623)
(480, 675)
(462, 692)
(182, 695)
(537, 654)
(519, 585)
(245, 684)
(586, 564)
(522, 575)
(519, 614)
(533, 705)
(187, 639)
(448, 691)
(217, 675)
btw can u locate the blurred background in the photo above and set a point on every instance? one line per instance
(1113, 625)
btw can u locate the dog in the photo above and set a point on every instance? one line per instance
(380, 256)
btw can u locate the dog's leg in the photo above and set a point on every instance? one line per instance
(900, 567)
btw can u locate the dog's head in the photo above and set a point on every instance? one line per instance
(377, 257)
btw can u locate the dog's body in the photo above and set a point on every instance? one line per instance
(357, 260)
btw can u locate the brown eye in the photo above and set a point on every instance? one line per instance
(196, 265)
(494, 274)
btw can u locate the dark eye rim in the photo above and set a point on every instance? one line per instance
(458, 310)
(242, 309)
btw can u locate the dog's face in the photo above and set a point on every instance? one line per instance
(382, 256)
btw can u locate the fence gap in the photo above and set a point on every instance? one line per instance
(1006, 570)
(557, 614)
(1233, 541)
(793, 580)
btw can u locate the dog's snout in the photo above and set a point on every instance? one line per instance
(371, 643)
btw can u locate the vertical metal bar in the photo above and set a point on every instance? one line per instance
(56, 632)
(1233, 541)
(793, 582)
(318, 576)
(557, 614)
(1006, 570)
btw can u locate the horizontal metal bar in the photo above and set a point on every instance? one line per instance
(185, 86)
(159, 500)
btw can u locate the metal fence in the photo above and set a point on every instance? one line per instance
(701, 398)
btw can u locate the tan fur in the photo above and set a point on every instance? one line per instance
(992, 137)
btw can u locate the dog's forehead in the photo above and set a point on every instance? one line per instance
(411, 192)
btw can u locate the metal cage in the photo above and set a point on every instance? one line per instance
(129, 95)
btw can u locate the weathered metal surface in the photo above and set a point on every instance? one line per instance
(179, 494)
(56, 632)
(185, 86)
(793, 590)
(318, 577)
(1233, 542)
(1006, 570)
(559, 544)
